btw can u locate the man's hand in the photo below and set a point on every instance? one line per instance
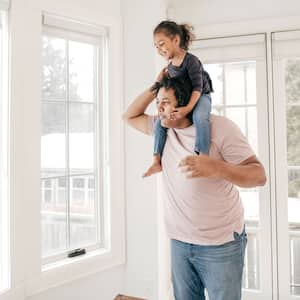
(199, 166)
(249, 173)
(179, 112)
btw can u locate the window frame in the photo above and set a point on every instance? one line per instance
(50, 29)
(5, 219)
(43, 277)
(285, 45)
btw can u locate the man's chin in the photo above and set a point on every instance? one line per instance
(166, 123)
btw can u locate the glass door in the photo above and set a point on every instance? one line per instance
(237, 66)
(286, 77)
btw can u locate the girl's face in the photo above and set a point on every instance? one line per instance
(165, 45)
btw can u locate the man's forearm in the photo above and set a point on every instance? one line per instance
(249, 175)
(139, 105)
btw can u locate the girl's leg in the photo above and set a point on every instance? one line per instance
(160, 135)
(201, 117)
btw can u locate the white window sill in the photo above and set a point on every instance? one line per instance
(16, 293)
(71, 260)
(70, 269)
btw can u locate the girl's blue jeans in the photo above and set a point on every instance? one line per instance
(219, 269)
(201, 120)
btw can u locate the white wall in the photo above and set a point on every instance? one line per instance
(210, 12)
(104, 286)
(218, 18)
(25, 28)
(140, 69)
(140, 275)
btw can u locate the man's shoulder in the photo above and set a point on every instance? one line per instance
(222, 126)
(220, 120)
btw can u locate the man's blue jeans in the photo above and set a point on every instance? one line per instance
(219, 269)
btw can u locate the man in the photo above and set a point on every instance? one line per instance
(203, 210)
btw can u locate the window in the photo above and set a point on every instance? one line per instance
(4, 151)
(286, 63)
(237, 66)
(73, 142)
(235, 98)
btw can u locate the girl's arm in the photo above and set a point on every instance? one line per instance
(193, 100)
(182, 111)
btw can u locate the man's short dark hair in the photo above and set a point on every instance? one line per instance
(181, 88)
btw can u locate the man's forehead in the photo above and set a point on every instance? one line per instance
(163, 92)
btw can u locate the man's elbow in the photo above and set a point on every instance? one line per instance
(125, 117)
(262, 179)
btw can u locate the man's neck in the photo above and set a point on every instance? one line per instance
(183, 123)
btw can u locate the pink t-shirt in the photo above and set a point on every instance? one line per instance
(202, 211)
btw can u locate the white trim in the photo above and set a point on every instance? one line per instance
(61, 273)
(73, 36)
(73, 25)
(16, 293)
(5, 228)
(286, 35)
(247, 27)
(230, 49)
(4, 4)
(229, 41)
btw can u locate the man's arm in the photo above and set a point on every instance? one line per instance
(249, 173)
(135, 114)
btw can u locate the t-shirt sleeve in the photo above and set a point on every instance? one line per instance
(235, 147)
(195, 73)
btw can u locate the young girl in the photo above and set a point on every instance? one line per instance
(172, 41)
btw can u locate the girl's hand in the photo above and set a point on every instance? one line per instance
(163, 73)
(179, 112)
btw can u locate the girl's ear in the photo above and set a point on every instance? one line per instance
(177, 39)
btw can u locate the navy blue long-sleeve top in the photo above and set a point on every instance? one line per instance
(191, 69)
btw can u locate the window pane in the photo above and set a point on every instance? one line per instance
(81, 68)
(53, 140)
(54, 217)
(293, 135)
(54, 68)
(237, 115)
(295, 261)
(251, 277)
(250, 198)
(292, 79)
(292, 89)
(70, 217)
(238, 81)
(251, 131)
(235, 83)
(81, 138)
(82, 208)
(251, 83)
(216, 74)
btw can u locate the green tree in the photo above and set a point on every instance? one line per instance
(292, 83)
